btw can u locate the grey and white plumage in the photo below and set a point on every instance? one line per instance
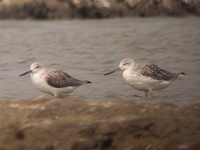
(53, 81)
(145, 77)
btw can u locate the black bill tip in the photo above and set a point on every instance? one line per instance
(25, 73)
(111, 72)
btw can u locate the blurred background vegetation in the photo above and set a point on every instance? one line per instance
(69, 9)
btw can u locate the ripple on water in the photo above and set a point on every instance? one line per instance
(87, 51)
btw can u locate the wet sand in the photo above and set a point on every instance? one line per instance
(66, 124)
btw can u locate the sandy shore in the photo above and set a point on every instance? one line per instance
(63, 124)
(70, 9)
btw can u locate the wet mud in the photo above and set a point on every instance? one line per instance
(66, 124)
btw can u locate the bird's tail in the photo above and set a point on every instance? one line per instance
(181, 74)
(87, 82)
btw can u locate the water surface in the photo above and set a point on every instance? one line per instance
(86, 49)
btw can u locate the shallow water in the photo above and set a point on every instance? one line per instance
(86, 49)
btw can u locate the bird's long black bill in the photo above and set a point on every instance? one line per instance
(111, 72)
(25, 73)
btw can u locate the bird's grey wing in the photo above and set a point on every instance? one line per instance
(153, 71)
(59, 79)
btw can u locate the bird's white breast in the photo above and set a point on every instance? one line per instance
(39, 81)
(143, 83)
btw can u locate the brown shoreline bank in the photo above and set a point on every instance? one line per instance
(70, 9)
(62, 124)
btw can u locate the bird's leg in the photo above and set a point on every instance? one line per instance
(150, 93)
(146, 93)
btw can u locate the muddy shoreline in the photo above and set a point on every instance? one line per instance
(65, 124)
(72, 9)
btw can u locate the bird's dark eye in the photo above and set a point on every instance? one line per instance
(36, 66)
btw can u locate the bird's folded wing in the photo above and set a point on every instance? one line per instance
(59, 79)
(153, 71)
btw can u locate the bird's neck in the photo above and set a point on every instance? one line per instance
(130, 69)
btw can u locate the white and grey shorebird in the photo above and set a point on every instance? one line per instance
(145, 77)
(53, 81)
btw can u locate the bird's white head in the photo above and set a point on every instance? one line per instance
(126, 64)
(35, 67)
